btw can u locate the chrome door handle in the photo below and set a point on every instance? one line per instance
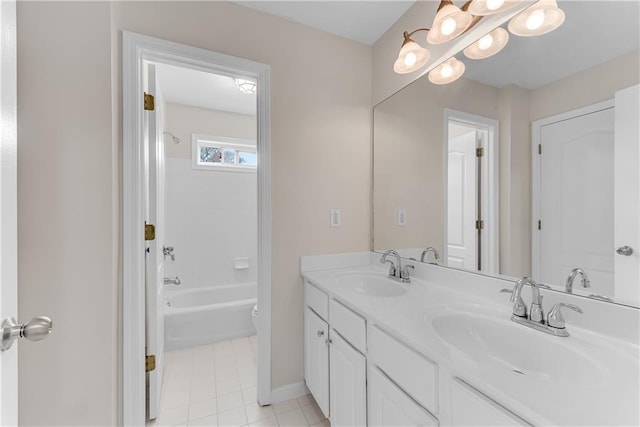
(34, 330)
(624, 250)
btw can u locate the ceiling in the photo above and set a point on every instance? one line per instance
(362, 21)
(204, 90)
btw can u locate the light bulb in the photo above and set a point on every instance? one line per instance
(535, 19)
(448, 26)
(485, 42)
(446, 70)
(494, 4)
(410, 59)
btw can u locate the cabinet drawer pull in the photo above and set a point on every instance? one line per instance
(320, 333)
(328, 341)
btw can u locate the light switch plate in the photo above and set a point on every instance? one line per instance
(402, 217)
(335, 220)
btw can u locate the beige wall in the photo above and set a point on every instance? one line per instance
(69, 113)
(183, 120)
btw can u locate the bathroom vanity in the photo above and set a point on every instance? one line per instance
(443, 350)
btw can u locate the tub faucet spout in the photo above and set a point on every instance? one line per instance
(171, 280)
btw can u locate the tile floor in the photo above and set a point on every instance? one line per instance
(215, 385)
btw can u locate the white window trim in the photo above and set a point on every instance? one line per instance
(225, 142)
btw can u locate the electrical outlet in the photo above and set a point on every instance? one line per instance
(402, 217)
(335, 220)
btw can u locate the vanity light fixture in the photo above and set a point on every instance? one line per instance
(541, 18)
(412, 56)
(451, 21)
(246, 86)
(488, 45)
(489, 7)
(447, 72)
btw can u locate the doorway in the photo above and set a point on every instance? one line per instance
(141, 163)
(471, 191)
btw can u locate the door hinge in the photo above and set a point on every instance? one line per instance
(479, 151)
(539, 148)
(150, 363)
(479, 224)
(149, 231)
(539, 225)
(149, 102)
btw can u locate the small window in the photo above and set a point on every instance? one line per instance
(220, 153)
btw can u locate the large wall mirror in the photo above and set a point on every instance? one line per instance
(523, 167)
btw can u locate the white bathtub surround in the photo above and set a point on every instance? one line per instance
(211, 219)
(216, 385)
(199, 316)
(589, 378)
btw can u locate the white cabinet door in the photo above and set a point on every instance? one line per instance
(626, 197)
(469, 407)
(348, 384)
(316, 358)
(390, 406)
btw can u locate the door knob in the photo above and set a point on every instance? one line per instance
(34, 330)
(624, 250)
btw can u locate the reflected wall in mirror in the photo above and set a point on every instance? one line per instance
(526, 166)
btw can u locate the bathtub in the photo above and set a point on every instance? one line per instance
(201, 316)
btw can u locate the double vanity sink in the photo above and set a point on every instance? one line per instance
(532, 377)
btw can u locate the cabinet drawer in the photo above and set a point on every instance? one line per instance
(470, 407)
(390, 406)
(350, 325)
(317, 300)
(415, 374)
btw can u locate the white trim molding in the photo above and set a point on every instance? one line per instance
(136, 50)
(289, 391)
(490, 184)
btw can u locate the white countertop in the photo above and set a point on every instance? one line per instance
(604, 397)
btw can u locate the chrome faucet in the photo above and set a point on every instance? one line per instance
(396, 271)
(168, 251)
(171, 281)
(586, 283)
(554, 322)
(426, 251)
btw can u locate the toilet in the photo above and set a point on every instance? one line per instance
(254, 316)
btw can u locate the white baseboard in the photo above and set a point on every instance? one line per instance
(289, 391)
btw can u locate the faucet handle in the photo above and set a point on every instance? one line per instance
(405, 272)
(555, 318)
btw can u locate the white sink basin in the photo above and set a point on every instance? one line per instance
(504, 344)
(372, 285)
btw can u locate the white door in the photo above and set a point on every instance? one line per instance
(576, 200)
(627, 196)
(390, 406)
(462, 202)
(154, 149)
(348, 384)
(316, 358)
(8, 210)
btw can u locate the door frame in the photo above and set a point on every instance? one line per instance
(136, 49)
(490, 184)
(536, 134)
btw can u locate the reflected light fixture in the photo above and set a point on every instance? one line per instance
(540, 18)
(489, 7)
(449, 23)
(447, 72)
(488, 45)
(412, 56)
(246, 86)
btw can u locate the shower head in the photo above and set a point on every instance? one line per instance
(176, 140)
